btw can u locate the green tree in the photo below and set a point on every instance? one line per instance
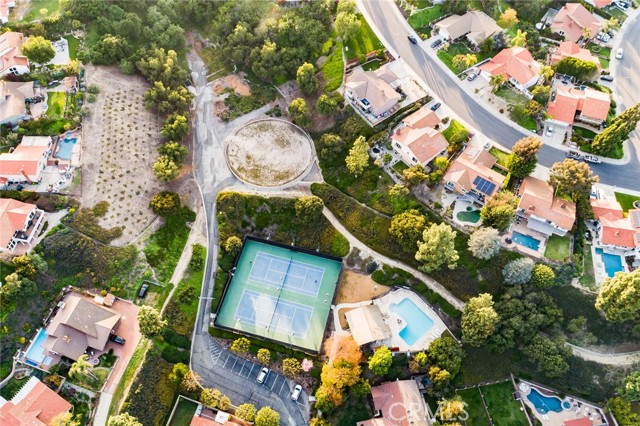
(291, 367)
(327, 104)
(548, 355)
(347, 25)
(496, 82)
(623, 413)
(16, 286)
(361, 389)
(175, 151)
(398, 196)
(441, 163)
(299, 112)
(484, 243)
(520, 39)
(437, 248)
(165, 169)
(165, 203)
(518, 271)
(38, 50)
(246, 412)
(572, 178)
(541, 94)
(508, 18)
(267, 416)
(440, 379)
(458, 139)
(123, 419)
(240, 346)
(619, 297)
(233, 245)
(163, 66)
(358, 157)
(610, 140)
(446, 353)
(543, 276)
(582, 70)
(498, 210)
(381, 360)
(267, 61)
(631, 388)
(72, 68)
(612, 24)
(211, 397)
(24, 265)
(167, 100)
(462, 62)
(64, 419)
(264, 356)
(522, 161)
(519, 113)
(150, 322)
(407, 228)
(82, 367)
(414, 175)
(330, 145)
(306, 78)
(309, 209)
(479, 319)
(179, 371)
(175, 127)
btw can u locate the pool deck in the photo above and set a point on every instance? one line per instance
(523, 229)
(460, 206)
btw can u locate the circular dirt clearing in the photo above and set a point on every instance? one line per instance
(269, 152)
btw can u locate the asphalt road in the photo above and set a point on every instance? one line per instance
(443, 84)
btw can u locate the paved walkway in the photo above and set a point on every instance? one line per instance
(622, 359)
(102, 412)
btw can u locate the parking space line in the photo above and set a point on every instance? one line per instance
(274, 382)
(281, 386)
(251, 370)
(225, 362)
(242, 368)
(234, 363)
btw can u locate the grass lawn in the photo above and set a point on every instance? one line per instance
(500, 155)
(558, 248)
(74, 43)
(184, 413)
(55, 104)
(420, 21)
(371, 66)
(585, 133)
(156, 295)
(503, 409)
(400, 167)
(587, 279)
(475, 408)
(363, 42)
(453, 128)
(511, 96)
(604, 63)
(626, 200)
(333, 69)
(88, 382)
(52, 7)
(617, 13)
(127, 376)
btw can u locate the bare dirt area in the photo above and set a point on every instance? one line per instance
(269, 152)
(355, 287)
(231, 81)
(121, 139)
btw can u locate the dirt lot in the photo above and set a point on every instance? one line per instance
(120, 141)
(232, 81)
(355, 287)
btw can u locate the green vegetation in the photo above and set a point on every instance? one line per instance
(12, 387)
(89, 382)
(454, 127)
(237, 105)
(584, 133)
(36, 6)
(85, 220)
(214, 59)
(55, 104)
(503, 409)
(420, 21)
(74, 44)
(184, 413)
(500, 155)
(364, 42)
(134, 362)
(257, 344)
(333, 68)
(164, 248)
(354, 410)
(454, 49)
(475, 407)
(626, 200)
(558, 248)
(588, 279)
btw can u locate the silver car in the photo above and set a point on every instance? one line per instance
(592, 159)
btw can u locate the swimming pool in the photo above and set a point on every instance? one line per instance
(65, 148)
(612, 262)
(36, 354)
(418, 322)
(472, 216)
(525, 240)
(544, 403)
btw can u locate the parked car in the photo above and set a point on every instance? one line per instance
(607, 78)
(143, 291)
(435, 106)
(592, 159)
(622, 5)
(296, 392)
(436, 43)
(574, 154)
(619, 53)
(262, 375)
(549, 130)
(412, 39)
(117, 339)
(472, 76)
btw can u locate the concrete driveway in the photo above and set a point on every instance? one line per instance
(128, 329)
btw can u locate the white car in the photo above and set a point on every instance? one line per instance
(549, 130)
(262, 375)
(592, 159)
(296, 392)
(619, 53)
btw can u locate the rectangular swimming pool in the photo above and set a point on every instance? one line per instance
(612, 262)
(65, 148)
(525, 240)
(36, 354)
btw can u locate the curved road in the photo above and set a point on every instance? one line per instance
(389, 23)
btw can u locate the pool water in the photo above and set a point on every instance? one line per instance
(612, 262)
(418, 322)
(525, 240)
(65, 148)
(469, 216)
(544, 403)
(36, 354)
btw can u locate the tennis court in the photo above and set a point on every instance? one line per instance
(280, 293)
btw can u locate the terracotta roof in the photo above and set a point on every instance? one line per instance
(425, 143)
(476, 25)
(23, 158)
(13, 216)
(589, 102)
(618, 232)
(373, 86)
(634, 218)
(37, 408)
(601, 3)
(10, 52)
(207, 418)
(470, 164)
(583, 421)
(602, 206)
(422, 118)
(400, 403)
(568, 49)
(514, 62)
(594, 104)
(572, 19)
(538, 199)
(564, 107)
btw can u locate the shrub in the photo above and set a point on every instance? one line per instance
(174, 355)
(198, 254)
(518, 271)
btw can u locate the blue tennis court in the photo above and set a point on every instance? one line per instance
(274, 314)
(290, 274)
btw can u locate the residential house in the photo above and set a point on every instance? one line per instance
(34, 405)
(19, 223)
(574, 22)
(373, 92)
(5, 10)
(599, 3)
(27, 161)
(208, 417)
(569, 49)
(398, 403)
(471, 174)
(12, 61)
(12, 101)
(416, 139)
(475, 25)
(615, 230)
(589, 105)
(516, 65)
(544, 211)
(78, 325)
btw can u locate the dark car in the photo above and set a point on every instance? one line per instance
(435, 106)
(574, 154)
(143, 290)
(117, 339)
(607, 78)
(436, 43)
(412, 39)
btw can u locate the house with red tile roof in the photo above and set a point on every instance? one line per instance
(574, 21)
(12, 61)
(5, 10)
(471, 174)
(27, 161)
(544, 211)
(34, 405)
(19, 223)
(373, 92)
(398, 403)
(416, 139)
(569, 49)
(475, 26)
(516, 65)
(207, 417)
(589, 105)
(582, 421)
(616, 230)
(599, 3)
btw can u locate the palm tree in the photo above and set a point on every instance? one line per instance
(496, 82)
(82, 366)
(520, 39)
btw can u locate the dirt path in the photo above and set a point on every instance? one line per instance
(622, 359)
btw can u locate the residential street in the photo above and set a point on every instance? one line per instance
(387, 21)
